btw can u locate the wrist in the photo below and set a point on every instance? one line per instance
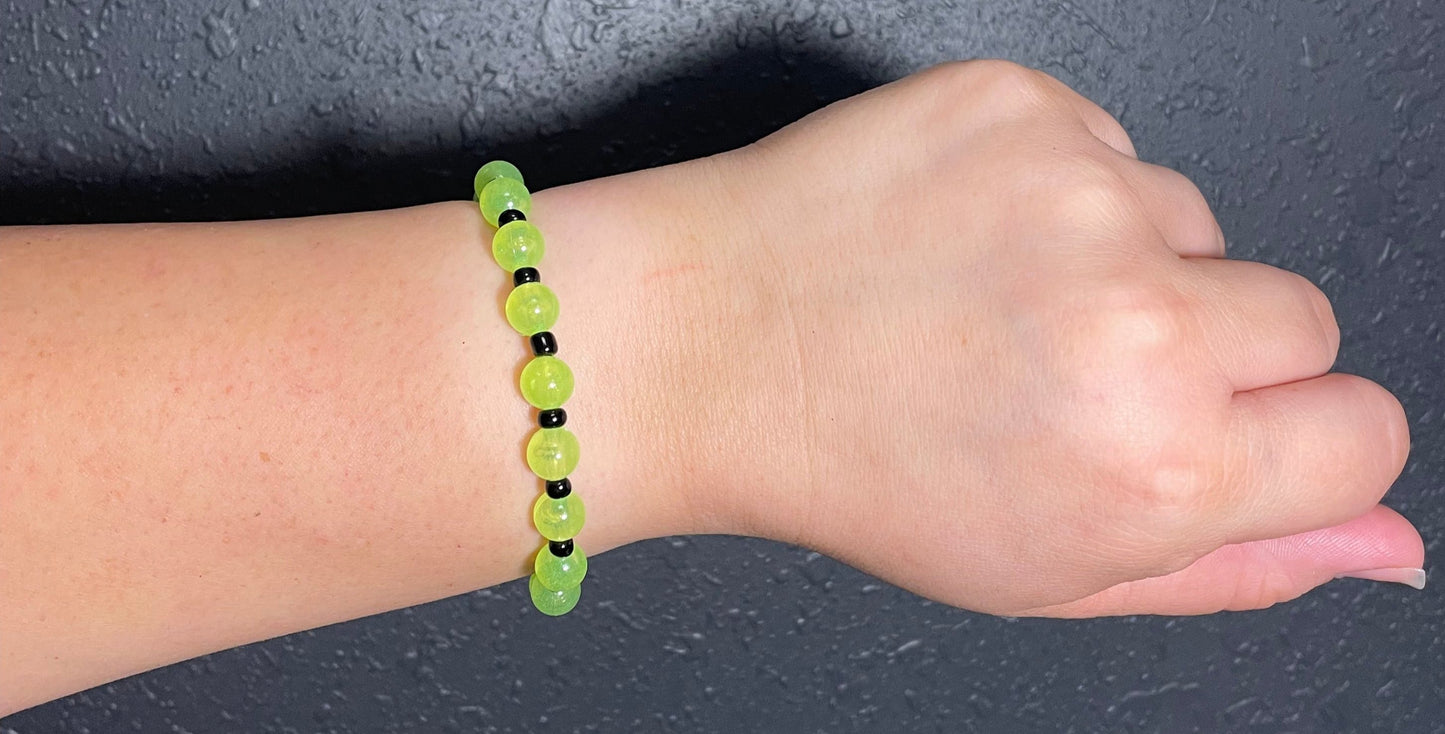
(598, 260)
(677, 342)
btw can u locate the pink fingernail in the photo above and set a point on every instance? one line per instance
(1408, 576)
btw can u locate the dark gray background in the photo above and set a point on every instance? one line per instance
(1316, 129)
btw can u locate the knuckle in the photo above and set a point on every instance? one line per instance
(1126, 335)
(1139, 319)
(947, 77)
(1102, 123)
(1089, 193)
(1170, 494)
(1189, 199)
(1009, 76)
(1016, 88)
(1113, 132)
(953, 69)
(1189, 213)
(1168, 507)
(996, 81)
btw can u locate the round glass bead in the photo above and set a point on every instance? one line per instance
(532, 307)
(559, 519)
(492, 171)
(546, 382)
(552, 453)
(553, 603)
(517, 245)
(560, 572)
(503, 194)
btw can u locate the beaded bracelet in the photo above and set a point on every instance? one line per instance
(552, 452)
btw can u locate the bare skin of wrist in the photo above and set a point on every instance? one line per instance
(951, 332)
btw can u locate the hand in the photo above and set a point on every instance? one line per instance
(952, 332)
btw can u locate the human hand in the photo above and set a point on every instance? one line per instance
(952, 332)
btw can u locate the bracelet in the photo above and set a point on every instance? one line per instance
(552, 452)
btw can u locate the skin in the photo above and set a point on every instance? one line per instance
(949, 331)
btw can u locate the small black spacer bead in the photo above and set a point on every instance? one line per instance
(526, 275)
(560, 488)
(543, 342)
(560, 548)
(554, 418)
(509, 216)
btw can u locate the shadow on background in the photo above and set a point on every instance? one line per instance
(703, 110)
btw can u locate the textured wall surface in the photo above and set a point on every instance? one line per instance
(1316, 129)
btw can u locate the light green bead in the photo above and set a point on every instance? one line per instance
(553, 603)
(560, 573)
(517, 245)
(559, 519)
(492, 171)
(552, 453)
(503, 194)
(546, 382)
(532, 307)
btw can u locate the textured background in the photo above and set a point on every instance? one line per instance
(1316, 129)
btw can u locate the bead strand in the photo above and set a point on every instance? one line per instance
(546, 383)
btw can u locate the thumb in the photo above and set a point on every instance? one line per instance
(1379, 545)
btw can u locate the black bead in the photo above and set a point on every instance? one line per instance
(554, 418)
(543, 343)
(510, 215)
(560, 548)
(560, 488)
(526, 275)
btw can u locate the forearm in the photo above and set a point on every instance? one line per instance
(220, 433)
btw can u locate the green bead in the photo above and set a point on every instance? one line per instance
(546, 382)
(490, 172)
(559, 519)
(532, 307)
(503, 194)
(560, 573)
(553, 603)
(517, 245)
(552, 453)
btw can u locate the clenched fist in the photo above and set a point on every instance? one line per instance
(952, 332)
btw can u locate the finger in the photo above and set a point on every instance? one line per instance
(1100, 123)
(1263, 325)
(1309, 455)
(1176, 207)
(1380, 545)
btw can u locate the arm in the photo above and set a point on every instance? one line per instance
(950, 331)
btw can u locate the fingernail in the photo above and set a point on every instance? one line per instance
(1408, 576)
